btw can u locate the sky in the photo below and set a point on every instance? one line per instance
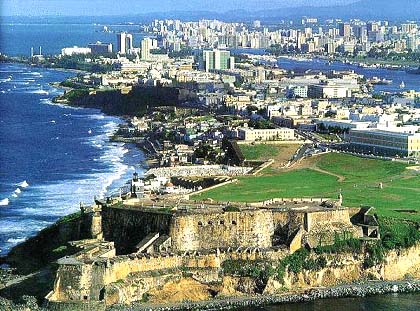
(128, 7)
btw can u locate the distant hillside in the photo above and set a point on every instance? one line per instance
(390, 9)
(364, 9)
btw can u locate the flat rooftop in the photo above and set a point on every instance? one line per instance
(301, 205)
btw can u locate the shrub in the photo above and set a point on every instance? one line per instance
(375, 254)
(398, 234)
(258, 269)
(69, 218)
(231, 208)
(340, 246)
(145, 297)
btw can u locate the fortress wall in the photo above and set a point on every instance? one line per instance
(79, 281)
(119, 278)
(330, 216)
(280, 218)
(281, 222)
(127, 227)
(296, 220)
(122, 266)
(222, 230)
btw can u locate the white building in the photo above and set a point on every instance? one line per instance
(385, 142)
(146, 46)
(75, 50)
(251, 134)
(125, 42)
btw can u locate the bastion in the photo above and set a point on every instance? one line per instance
(131, 250)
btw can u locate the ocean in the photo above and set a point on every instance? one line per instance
(411, 81)
(52, 157)
(390, 302)
(18, 37)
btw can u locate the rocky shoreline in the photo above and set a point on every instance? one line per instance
(360, 289)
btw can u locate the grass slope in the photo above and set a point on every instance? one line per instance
(359, 185)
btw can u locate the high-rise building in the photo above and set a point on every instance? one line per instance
(345, 30)
(146, 46)
(407, 28)
(413, 43)
(217, 60)
(100, 48)
(125, 42)
(372, 27)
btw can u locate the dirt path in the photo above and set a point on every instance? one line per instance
(340, 177)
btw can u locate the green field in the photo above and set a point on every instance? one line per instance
(259, 151)
(357, 178)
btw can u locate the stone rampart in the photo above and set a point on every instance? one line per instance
(114, 279)
(319, 218)
(128, 226)
(221, 230)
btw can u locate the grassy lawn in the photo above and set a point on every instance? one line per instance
(360, 179)
(299, 183)
(260, 151)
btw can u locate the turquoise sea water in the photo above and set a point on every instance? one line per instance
(52, 157)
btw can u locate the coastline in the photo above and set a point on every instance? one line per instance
(121, 120)
(360, 289)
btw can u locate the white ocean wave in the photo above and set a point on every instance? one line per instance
(4, 202)
(96, 117)
(24, 184)
(17, 191)
(42, 92)
(33, 73)
(48, 101)
(20, 226)
(16, 240)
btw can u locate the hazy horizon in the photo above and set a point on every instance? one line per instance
(124, 7)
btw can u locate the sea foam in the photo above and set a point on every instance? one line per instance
(24, 184)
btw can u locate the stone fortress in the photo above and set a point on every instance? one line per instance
(134, 249)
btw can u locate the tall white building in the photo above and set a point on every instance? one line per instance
(125, 42)
(146, 46)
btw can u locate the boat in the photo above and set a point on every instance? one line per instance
(402, 85)
(378, 81)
